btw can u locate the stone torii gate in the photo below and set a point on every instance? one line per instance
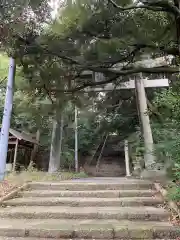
(139, 84)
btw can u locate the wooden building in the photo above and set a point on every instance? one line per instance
(23, 144)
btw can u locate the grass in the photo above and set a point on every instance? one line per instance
(14, 180)
(174, 193)
(35, 175)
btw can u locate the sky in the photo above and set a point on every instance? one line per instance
(54, 4)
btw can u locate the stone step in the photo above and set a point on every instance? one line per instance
(110, 171)
(109, 174)
(117, 170)
(79, 186)
(29, 238)
(97, 194)
(83, 202)
(86, 229)
(106, 171)
(115, 167)
(57, 212)
(110, 168)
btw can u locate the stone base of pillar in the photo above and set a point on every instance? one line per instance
(138, 166)
(154, 175)
(136, 172)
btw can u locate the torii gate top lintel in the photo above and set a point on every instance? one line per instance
(154, 83)
(164, 82)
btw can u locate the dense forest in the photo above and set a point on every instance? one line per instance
(52, 53)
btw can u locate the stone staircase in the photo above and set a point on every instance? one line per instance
(96, 208)
(111, 169)
(108, 167)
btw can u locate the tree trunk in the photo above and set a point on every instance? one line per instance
(56, 146)
(15, 155)
(177, 21)
(35, 150)
(100, 155)
(89, 161)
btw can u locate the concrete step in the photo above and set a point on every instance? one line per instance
(111, 171)
(107, 171)
(109, 168)
(29, 238)
(83, 202)
(97, 194)
(86, 229)
(102, 174)
(57, 212)
(127, 184)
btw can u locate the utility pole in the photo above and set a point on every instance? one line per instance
(76, 140)
(4, 136)
(61, 137)
(146, 127)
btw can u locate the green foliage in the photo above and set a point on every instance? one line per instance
(87, 135)
(174, 190)
(174, 194)
(31, 110)
(167, 135)
(93, 33)
(67, 160)
(20, 22)
(34, 175)
(87, 34)
(80, 175)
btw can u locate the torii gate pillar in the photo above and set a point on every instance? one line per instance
(139, 85)
(149, 156)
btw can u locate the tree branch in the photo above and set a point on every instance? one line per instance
(85, 85)
(118, 73)
(44, 50)
(62, 56)
(130, 7)
(157, 5)
(104, 67)
(170, 51)
(2, 80)
(85, 66)
(121, 72)
(48, 94)
(129, 57)
(125, 72)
